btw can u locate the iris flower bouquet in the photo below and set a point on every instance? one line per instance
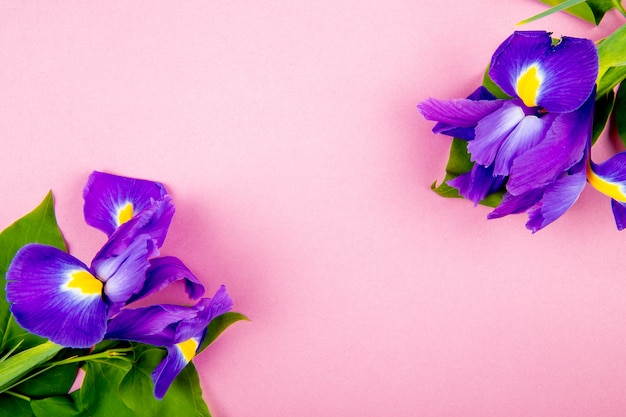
(72, 344)
(522, 141)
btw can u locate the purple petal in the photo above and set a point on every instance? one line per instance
(566, 72)
(458, 112)
(512, 204)
(54, 295)
(563, 147)
(492, 131)
(209, 309)
(528, 133)
(124, 275)
(167, 371)
(557, 199)
(165, 271)
(111, 200)
(477, 184)
(154, 325)
(619, 213)
(465, 133)
(153, 221)
(609, 177)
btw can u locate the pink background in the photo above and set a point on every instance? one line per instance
(288, 136)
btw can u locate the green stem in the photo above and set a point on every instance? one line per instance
(117, 354)
(15, 394)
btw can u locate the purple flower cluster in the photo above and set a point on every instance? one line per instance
(56, 296)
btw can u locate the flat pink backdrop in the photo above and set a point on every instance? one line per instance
(288, 136)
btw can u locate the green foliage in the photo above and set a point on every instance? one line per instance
(590, 10)
(38, 226)
(36, 375)
(620, 112)
(218, 325)
(602, 111)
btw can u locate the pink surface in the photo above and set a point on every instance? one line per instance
(288, 135)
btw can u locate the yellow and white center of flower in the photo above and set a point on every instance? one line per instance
(84, 282)
(615, 191)
(188, 348)
(124, 214)
(528, 85)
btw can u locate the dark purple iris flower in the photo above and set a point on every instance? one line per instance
(535, 143)
(56, 296)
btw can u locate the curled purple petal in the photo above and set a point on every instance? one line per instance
(557, 199)
(465, 133)
(458, 112)
(563, 147)
(166, 372)
(166, 270)
(477, 184)
(112, 200)
(619, 213)
(124, 275)
(492, 131)
(53, 295)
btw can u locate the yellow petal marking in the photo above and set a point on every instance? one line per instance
(85, 282)
(188, 348)
(125, 214)
(605, 187)
(528, 86)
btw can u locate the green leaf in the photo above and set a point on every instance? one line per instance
(100, 390)
(590, 10)
(620, 112)
(183, 398)
(612, 51)
(57, 406)
(611, 78)
(601, 113)
(20, 364)
(11, 406)
(39, 226)
(575, 7)
(217, 326)
(55, 381)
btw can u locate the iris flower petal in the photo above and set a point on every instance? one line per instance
(53, 295)
(619, 213)
(513, 204)
(465, 133)
(557, 199)
(528, 133)
(458, 112)
(492, 131)
(154, 325)
(166, 270)
(124, 275)
(557, 77)
(563, 147)
(112, 200)
(477, 184)
(210, 308)
(609, 177)
(167, 371)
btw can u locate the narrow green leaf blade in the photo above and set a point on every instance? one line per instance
(18, 365)
(557, 8)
